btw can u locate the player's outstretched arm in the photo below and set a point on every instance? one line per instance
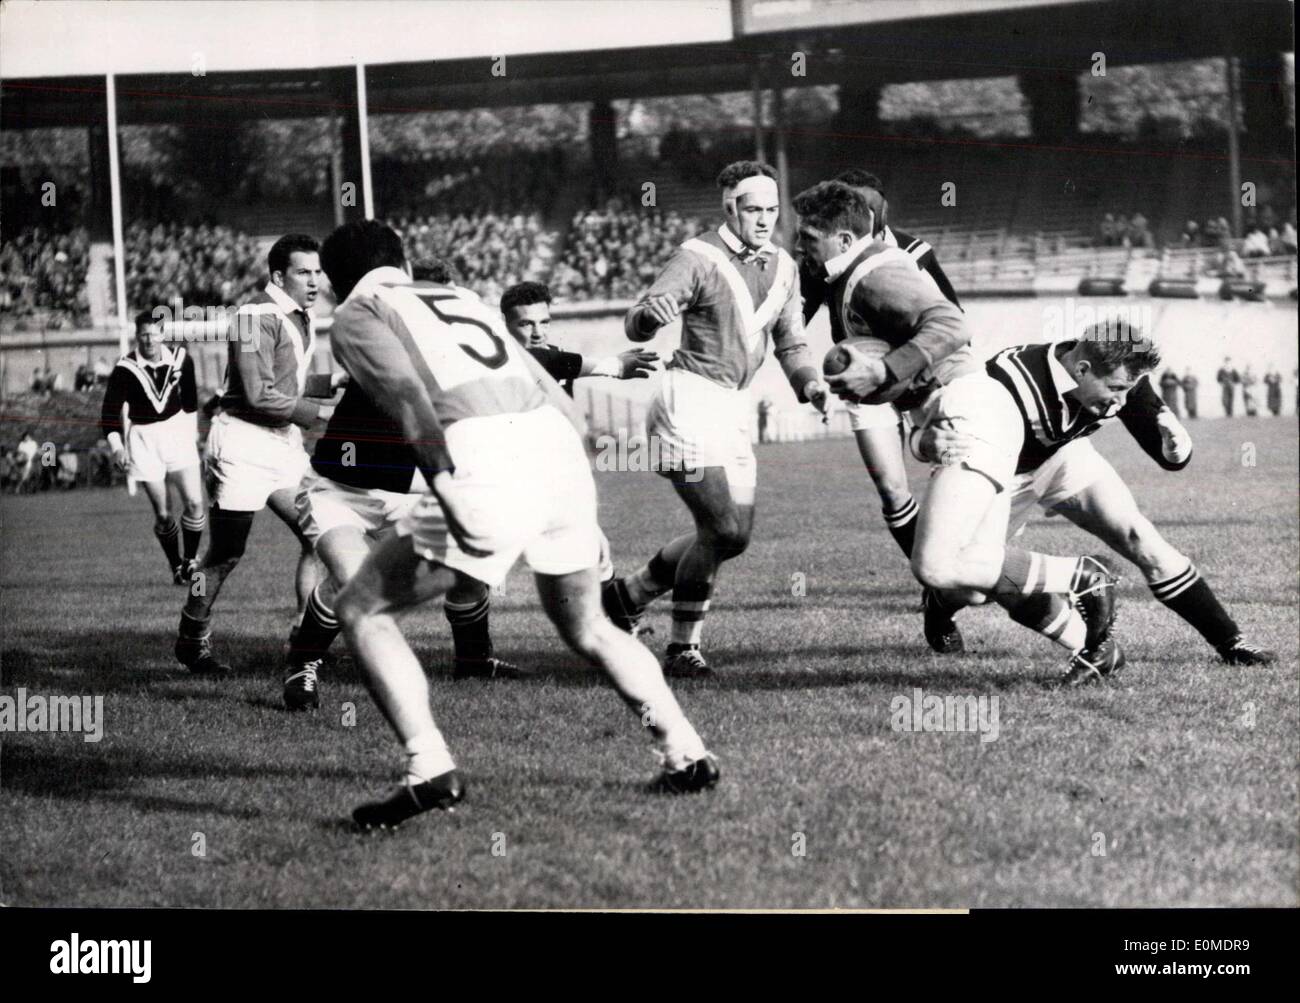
(1155, 427)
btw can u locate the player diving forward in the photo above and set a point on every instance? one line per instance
(364, 478)
(255, 457)
(1066, 391)
(509, 476)
(931, 371)
(156, 385)
(734, 291)
(878, 427)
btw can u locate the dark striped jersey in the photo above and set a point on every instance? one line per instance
(813, 284)
(1052, 417)
(563, 367)
(152, 391)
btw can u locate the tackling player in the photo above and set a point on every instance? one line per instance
(878, 428)
(364, 478)
(526, 308)
(1065, 392)
(509, 477)
(931, 371)
(735, 292)
(156, 385)
(255, 457)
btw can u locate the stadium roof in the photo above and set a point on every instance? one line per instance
(634, 48)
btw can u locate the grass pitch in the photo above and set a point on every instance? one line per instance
(208, 794)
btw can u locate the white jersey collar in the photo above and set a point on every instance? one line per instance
(384, 275)
(737, 246)
(835, 266)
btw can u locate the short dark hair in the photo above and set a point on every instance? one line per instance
(356, 248)
(277, 258)
(145, 318)
(524, 294)
(1113, 342)
(856, 177)
(831, 206)
(433, 269)
(737, 172)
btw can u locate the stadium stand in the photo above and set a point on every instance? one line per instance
(43, 276)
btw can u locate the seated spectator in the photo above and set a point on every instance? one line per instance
(85, 378)
(1287, 238)
(69, 464)
(1191, 234)
(1255, 245)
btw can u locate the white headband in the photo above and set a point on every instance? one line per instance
(758, 184)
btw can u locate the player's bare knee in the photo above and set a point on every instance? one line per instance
(934, 573)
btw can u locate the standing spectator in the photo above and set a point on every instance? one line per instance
(1288, 238)
(1190, 383)
(1273, 391)
(764, 418)
(1228, 379)
(1169, 387)
(1248, 383)
(26, 461)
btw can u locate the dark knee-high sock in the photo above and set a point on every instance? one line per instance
(650, 582)
(470, 633)
(316, 633)
(169, 538)
(192, 533)
(1190, 596)
(902, 524)
(226, 546)
(690, 607)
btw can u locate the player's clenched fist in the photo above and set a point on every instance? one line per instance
(1176, 442)
(464, 517)
(661, 309)
(860, 380)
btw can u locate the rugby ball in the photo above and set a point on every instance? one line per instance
(842, 355)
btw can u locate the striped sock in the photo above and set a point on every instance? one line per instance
(1190, 596)
(1026, 572)
(169, 539)
(316, 633)
(192, 533)
(690, 607)
(1052, 616)
(902, 524)
(469, 628)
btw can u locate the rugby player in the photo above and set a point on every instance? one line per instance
(364, 477)
(156, 385)
(879, 428)
(1065, 391)
(735, 292)
(508, 475)
(255, 456)
(930, 370)
(526, 308)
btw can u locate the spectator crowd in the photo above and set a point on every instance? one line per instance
(43, 270)
(201, 264)
(615, 252)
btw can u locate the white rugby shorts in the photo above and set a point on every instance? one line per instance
(1071, 469)
(979, 406)
(246, 463)
(701, 424)
(324, 505)
(525, 477)
(157, 449)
